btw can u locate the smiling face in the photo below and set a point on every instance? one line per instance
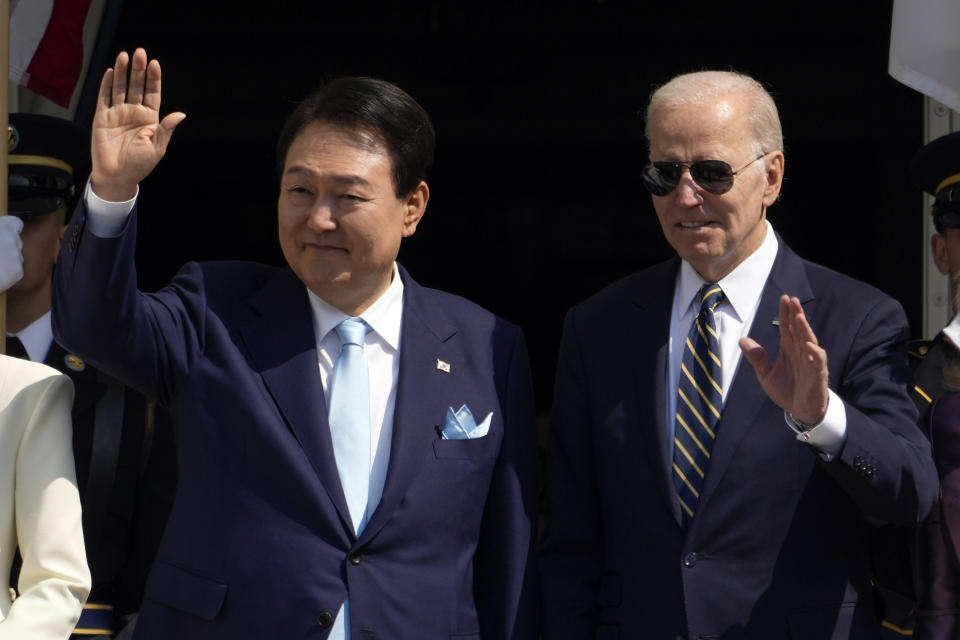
(714, 233)
(340, 221)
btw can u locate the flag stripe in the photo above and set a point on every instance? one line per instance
(28, 22)
(47, 51)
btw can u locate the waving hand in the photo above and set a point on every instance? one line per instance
(129, 138)
(797, 381)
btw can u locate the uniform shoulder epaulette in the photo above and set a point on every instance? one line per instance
(919, 348)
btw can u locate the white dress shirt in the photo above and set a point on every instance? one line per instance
(382, 350)
(742, 290)
(37, 337)
(952, 331)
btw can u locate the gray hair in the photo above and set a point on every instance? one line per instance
(704, 86)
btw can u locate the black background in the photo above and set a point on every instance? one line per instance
(536, 201)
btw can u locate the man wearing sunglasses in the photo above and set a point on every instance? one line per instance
(689, 494)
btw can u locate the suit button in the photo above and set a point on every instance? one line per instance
(325, 619)
(355, 559)
(857, 462)
(690, 560)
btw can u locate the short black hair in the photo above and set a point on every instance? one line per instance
(374, 107)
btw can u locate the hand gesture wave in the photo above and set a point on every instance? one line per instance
(129, 138)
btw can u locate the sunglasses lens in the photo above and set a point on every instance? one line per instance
(716, 176)
(660, 178)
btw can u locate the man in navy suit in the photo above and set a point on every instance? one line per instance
(266, 539)
(690, 495)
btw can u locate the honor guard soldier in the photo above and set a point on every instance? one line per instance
(936, 170)
(124, 464)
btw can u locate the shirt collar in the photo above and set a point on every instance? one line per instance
(384, 316)
(952, 330)
(37, 337)
(742, 286)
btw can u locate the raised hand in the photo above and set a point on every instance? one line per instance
(797, 381)
(129, 138)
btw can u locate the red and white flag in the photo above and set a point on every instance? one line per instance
(46, 46)
(925, 48)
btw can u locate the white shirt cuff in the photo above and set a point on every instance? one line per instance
(828, 436)
(105, 219)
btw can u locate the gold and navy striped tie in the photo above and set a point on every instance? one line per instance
(699, 403)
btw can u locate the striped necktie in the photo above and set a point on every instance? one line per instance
(699, 403)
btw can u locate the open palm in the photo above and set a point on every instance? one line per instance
(129, 138)
(798, 380)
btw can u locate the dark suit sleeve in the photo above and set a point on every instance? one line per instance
(570, 555)
(886, 464)
(506, 590)
(142, 339)
(938, 610)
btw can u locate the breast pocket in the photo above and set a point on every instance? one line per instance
(469, 449)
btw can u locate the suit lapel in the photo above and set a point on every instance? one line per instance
(746, 397)
(282, 346)
(653, 300)
(425, 338)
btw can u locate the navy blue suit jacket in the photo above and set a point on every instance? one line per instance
(259, 542)
(775, 549)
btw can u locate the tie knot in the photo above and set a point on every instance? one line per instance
(710, 296)
(352, 331)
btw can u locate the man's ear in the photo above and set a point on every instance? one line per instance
(773, 167)
(938, 246)
(415, 205)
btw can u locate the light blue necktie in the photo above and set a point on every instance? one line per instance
(349, 418)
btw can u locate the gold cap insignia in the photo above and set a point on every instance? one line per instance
(13, 137)
(74, 362)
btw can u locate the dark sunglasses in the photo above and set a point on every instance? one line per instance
(715, 176)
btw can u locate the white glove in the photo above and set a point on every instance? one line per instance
(11, 251)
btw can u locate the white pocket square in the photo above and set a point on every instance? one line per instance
(462, 426)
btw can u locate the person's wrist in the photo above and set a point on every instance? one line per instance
(113, 192)
(802, 425)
